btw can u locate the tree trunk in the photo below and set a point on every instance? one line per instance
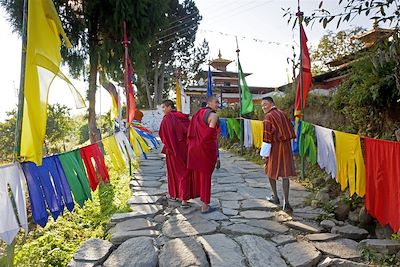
(161, 84)
(156, 91)
(94, 132)
(147, 87)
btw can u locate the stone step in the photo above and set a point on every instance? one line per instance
(120, 237)
(182, 252)
(243, 229)
(300, 254)
(141, 211)
(222, 251)
(132, 225)
(256, 214)
(350, 231)
(260, 252)
(91, 253)
(342, 248)
(139, 251)
(303, 227)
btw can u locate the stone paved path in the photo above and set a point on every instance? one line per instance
(247, 230)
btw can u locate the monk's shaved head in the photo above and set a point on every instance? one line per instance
(212, 102)
(169, 103)
(167, 106)
(211, 99)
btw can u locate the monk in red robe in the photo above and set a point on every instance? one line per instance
(202, 149)
(278, 131)
(173, 134)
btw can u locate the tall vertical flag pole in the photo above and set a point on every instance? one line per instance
(126, 81)
(20, 111)
(300, 14)
(240, 100)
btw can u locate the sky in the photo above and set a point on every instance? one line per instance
(265, 41)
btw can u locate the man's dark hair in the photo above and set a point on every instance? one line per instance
(269, 99)
(203, 104)
(169, 103)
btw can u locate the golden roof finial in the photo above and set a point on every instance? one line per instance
(219, 53)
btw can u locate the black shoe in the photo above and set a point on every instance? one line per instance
(273, 199)
(287, 208)
(218, 165)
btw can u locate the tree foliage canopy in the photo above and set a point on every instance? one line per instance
(334, 46)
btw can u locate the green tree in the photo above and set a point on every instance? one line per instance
(95, 29)
(7, 133)
(368, 99)
(59, 128)
(334, 46)
(172, 49)
(59, 131)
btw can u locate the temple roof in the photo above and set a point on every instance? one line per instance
(220, 63)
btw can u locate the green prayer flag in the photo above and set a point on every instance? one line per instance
(246, 97)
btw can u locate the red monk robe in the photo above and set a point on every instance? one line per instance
(202, 153)
(173, 134)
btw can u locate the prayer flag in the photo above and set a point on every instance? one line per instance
(209, 83)
(246, 97)
(43, 60)
(131, 103)
(178, 96)
(114, 98)
(307, 77)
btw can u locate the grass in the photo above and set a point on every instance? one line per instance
(55, 244)
(377, 259)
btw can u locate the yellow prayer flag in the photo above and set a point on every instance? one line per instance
(178, 96)
(43, 60)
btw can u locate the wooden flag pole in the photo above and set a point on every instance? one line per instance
(240, 100)
(20, 112)
(126, 80)
(300, 14)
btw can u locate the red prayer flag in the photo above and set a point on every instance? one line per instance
(130, 101)
(307, 77)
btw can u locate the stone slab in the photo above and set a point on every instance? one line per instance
(132, 225)
(120, 237)
(233, 204)
(251, 192)
(178, 228)
(269, 225)
(301, 254)
(135, 252)
(336, 262)
(182, 252)
(141, 211)
(282, 240)
(215, 216)
(260, 252)
(229, 212)
(222, 251)
(261, 204)
(143, 200)
(229, 196)
(303, 227)
(350, 231)
(256, 214)
(342, 248)
(281, 216)
(93, 249)
(223, 188)
(142, 183)
(322, 237)
(243, 229)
